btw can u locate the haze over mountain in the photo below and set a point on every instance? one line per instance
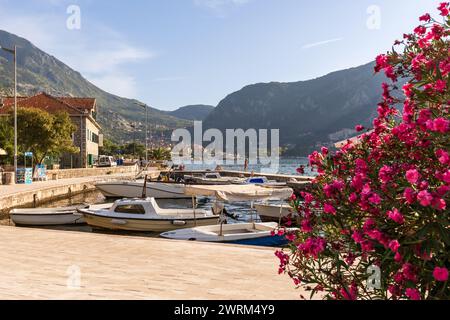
(196, 112)
(39, 71)
(308, 113)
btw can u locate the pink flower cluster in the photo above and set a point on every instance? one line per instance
(384, 199)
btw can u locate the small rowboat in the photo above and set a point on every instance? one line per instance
(52, 216)
(257, 234)
(47, 216)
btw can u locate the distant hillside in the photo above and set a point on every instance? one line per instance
(308, 113)
(194, 112)
(38, 71)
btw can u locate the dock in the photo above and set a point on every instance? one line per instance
(48, 264)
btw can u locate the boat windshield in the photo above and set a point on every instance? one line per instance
(130, 209)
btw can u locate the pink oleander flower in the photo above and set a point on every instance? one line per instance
(443, 7)
(394, 245)
(385, 174)
(290, 237)
(306, 226)
(301, 170)
(357, 237)
(426, 18)
(328, 208)
(446, 176)
(440, 274)
(440, 86)
(410, 195)
(443, 156)
(396, 216)
(308, 197)
(413, 294)
(439, 204)
(349, 293)
(353, 198)
(412, 176)
(425, 198)
(440, 125)
(420, 30)
(407, 89)
(359, 128)
(375, 199)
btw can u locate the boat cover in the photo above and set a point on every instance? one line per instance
(231, 193)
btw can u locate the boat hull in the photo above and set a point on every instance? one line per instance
(258, 234)
(268, 241)
(271, 213)
(47, 219)
(146, 225)
(134, 190)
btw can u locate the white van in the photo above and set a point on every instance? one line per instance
(107, 161)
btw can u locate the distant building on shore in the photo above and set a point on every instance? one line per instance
(82, 112)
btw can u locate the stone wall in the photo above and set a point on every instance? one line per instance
(78, 173)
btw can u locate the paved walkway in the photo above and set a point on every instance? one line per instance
(45, 264)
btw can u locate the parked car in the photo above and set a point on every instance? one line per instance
(107, 161)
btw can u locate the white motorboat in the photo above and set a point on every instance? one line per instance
(145, 215)
(134, 189)
(273, 212)
(259, 234)
(51, 216)
(209, 178)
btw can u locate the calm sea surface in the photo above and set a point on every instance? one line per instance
(286, 166)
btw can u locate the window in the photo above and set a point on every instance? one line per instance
(130, 209)
(94, 138)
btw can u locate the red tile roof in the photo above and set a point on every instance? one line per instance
(79, 103)
(51, 104)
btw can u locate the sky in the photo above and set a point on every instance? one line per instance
(172, 53)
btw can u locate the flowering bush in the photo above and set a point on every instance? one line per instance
(381, 203)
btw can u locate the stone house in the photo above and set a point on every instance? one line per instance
(82, 112)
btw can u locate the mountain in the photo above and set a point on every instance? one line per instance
(196, 112)
(308, 113)
(38, 71)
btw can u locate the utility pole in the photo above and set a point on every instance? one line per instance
(14, 52)
(146, 128)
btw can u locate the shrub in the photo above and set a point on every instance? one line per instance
(381, 203)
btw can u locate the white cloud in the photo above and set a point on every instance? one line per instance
(169, 78)
(120, 84)
(321, 43)
(96, 51)
(219, 6)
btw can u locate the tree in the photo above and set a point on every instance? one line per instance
(6, 143)
(109, 148)
(39, 132)
(380, 206)
(160, 154)
(134, 149)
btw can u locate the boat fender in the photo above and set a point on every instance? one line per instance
(179, 223)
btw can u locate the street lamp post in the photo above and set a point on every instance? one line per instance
(14, 52)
